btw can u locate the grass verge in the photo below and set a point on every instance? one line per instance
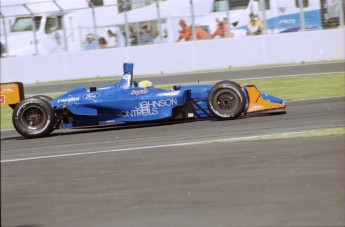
(304, 87)
(287, 88)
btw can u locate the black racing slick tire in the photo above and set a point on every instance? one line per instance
(226, 100)
(44, 97)
(228, 82)
(33, 118)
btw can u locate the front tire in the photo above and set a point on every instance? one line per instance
(33, 118)
(226, 100)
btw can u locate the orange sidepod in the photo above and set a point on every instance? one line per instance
(257, 103)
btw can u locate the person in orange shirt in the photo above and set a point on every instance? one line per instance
(222, 31)
(186, 32)
(201, 33)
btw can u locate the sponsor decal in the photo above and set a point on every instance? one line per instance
(71, 99)
(91, 96)
(7, 86)
(256, 108)
(287, 21)
(171, 93)
(139, 92)
(147, 108)
(6, 90)
(2, 99)
(190, 114)
(104, 88)
(126, 78)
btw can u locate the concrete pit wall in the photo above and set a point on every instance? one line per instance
(311, 46)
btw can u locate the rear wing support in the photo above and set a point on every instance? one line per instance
(127, 77)
(11, 93)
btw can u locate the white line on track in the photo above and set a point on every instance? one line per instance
(153, 147)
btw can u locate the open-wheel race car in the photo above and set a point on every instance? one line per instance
(126, 102)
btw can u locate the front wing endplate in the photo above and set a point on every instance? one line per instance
(256, 103)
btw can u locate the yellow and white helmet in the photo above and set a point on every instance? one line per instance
(145, 84)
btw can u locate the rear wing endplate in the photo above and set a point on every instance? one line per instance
(11, 93)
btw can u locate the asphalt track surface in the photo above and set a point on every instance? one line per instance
(155, 175)
(164, 175)
(235, 74)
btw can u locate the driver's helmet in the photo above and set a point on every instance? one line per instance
(145, 84)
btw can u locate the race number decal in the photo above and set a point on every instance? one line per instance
(2, 99)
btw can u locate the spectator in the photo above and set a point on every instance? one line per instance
(255, 26)
(145, 36)
(91, 43)
(57, 37)
(102, 43)
(112, 41)
(159, 39)
(186, 32)
(156, 39)
(165, 34)
(121, 40)
(201, 33)
(133, 37)
(221, 31)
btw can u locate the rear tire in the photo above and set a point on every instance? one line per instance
(33, 118)
(226, 100)
(44, 97)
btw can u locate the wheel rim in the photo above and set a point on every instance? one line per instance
(33, 118)
(225, 101)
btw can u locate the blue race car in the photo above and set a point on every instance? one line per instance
(129, 102)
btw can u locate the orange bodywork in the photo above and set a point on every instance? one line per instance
(257, 103)
(11, 93)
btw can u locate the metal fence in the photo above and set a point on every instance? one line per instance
(54, 26)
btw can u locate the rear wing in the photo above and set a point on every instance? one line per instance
(11, 93)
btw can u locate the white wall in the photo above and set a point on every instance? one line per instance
(311, 46)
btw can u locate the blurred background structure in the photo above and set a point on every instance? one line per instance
(52, 40)
(38, 27)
